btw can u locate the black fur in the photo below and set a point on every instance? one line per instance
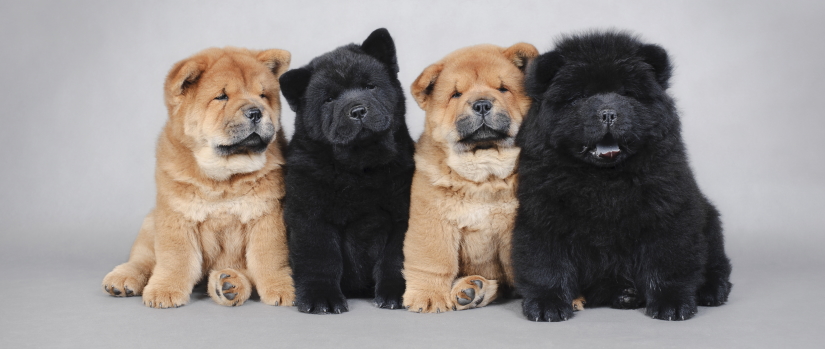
(350, 166)
(609, 208)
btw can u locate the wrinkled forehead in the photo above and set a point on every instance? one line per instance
(490, 70)
(238, 71)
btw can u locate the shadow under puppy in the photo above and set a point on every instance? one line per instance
(457, 249)
(219, 187)
(609, 207)
(348, 186)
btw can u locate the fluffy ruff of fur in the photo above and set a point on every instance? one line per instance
(609, 207)
(219, 187)
(348, 185)
(457, 248)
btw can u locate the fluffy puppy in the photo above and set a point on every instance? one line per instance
(457, 248)
(609, 207)
(219, 187)
(348, 186)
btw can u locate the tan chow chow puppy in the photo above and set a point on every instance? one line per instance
(457, 248)
(219, 187)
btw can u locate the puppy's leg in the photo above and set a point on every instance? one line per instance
(670, 277)
(267, 259)
(229, 287)
(715, 290)
(179, 262)
(545, 276)
(473, 292)
(389, 282)
(430, 257)
(318, 265)
(128, 279)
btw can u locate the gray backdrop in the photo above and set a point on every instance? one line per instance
(81, 97)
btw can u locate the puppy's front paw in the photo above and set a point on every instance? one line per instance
(321, 300)
(388, 295)
(164, 297)
(671, 309)
(428, 301)
(714, 292)
(125, 281)
(547, 309)
(280, 293)
(228, 287)
(473, 292)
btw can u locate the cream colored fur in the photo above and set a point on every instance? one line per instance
(215, 216)
(463, 204)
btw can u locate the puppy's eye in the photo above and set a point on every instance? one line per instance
(222, 97)
(370, 86)
(330, 99)
(502, 89)
(263, 96)
(457, 94)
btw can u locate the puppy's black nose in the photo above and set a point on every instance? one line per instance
(482, 107)
(253, 114)
(358, 112)
(608, 116)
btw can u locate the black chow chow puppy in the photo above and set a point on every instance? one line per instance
(349, 170)
(609, 207)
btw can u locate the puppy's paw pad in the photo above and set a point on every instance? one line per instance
(473, 292)
(578, 303)
(229, 287)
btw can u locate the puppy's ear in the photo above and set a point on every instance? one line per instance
(423, 86)
(520, 54)
(293, 85)
(657, 57)
(276, 60)
(540, 73)
(380, 45)
(183, 75)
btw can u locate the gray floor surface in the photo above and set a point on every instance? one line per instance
(53, 300)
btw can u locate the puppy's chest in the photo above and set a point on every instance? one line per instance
(244, 208)
(493, 214)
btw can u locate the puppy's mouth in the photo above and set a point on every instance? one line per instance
(607, 148)
(253, 143)
(484, 135)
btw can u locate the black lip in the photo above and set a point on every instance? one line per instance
(484, 134)
(252, 143)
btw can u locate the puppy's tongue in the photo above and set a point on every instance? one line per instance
(607, 148)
